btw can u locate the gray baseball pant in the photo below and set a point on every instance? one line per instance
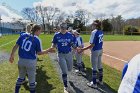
(66, 64)
(96, 59)
(27, 66)
(78, 57)
(96, 65)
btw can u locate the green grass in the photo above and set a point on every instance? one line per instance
(114, 38)
(112, 77)
(121, 38)
(8, 38)
(47, 77)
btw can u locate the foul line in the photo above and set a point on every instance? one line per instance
(115, 58)
(8, 43)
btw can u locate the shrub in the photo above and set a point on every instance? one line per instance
(131, 30)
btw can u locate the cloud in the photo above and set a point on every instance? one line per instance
(126, 8)
(7, 15)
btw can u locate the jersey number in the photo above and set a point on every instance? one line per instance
(100, 38)
(26, 45)
(64, 44)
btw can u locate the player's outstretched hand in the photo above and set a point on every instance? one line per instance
(80, 50)
(11, 59)
(51, 50)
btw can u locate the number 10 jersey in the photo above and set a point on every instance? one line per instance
(29, 45)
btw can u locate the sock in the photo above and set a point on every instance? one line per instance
(32, 87)
(94, 76)
(17, 88)
(100, 74)
(64, 77)
(18, 84)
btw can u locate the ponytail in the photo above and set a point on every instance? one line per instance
(29, 28)
(34, 29)
(97, 23)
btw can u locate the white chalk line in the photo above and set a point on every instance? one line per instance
(7, 43)
(115, 58)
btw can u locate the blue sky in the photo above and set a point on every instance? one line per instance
(19, 4)
(98, 8)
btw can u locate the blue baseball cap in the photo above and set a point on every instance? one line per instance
(63, 26)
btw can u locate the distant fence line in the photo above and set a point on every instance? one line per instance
(9, 31)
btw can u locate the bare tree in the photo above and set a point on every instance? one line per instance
(117, 24)
(47, 14)
(30, 14)
(41, 13)
(59, 18)
(83, 15)
(80, 14)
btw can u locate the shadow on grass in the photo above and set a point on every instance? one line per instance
(103, 89)
(42, 84)
(77, 90)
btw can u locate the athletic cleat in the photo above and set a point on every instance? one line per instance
(68, 90)
(90, 84)
(35, 83)
(65, 90)
(78, 72)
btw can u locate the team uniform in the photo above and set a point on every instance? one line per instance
(29, 45)
(22, 33)
(75, 41)
(64, 42)
(131, 76)
(96, 53)
(79, 43)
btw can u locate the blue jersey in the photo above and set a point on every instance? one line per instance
(131, 76)
(124, 70)
(63, 42)
(22, 33)
(29, 46)
(56, 33)
(96, 39)
(74, 39)
(79, 41)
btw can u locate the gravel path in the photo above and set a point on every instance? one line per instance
(3, 56)
(78, 82)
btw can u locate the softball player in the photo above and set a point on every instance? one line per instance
(27, 30)
(64, 41)
(29, 46)
(96, 43)
(131, 76)
(56, 30)
(79, 44)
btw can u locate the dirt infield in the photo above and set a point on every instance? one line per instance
(117, 53)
